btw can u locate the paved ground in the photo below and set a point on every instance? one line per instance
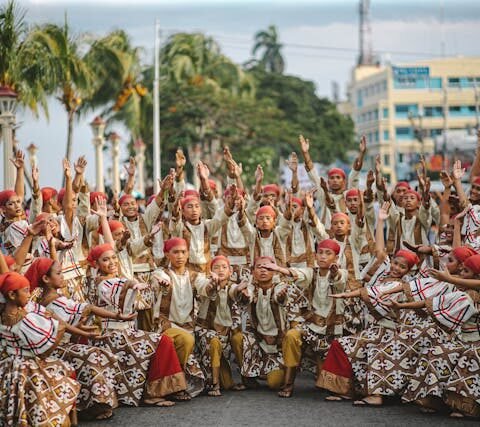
(263, 408)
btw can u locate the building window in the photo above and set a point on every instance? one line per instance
(433, 111)
(403, 110)
(435, 132)
(386, 159)
(435, 83)
(400, 157)
(403, 133)
(385, 113)
(463, 82)
(377, 138)
(461, 110)
(386, 135)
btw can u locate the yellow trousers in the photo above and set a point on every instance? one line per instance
(292, 348)
(218, 361)
(183, 342)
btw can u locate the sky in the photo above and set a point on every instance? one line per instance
(320, 44)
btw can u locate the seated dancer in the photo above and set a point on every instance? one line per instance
(28, 337)
(217, 323)
(147, 359)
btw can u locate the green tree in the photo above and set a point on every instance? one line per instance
(21, 67)
(271, 58)
(69, 70)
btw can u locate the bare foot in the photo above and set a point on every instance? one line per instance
(105, 415)
(369, 401)
(160, 402)
(181, 396)
(239, 387)
(457, 415)
(336, 398)
(286, 391)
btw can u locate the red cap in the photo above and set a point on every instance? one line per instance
(411, 257)
(473, 263)
(94, 195)
(61, 195)
(48, 193)
(113, 225)
(353, 192)
(271, 188)
(5, 196)
(174, 241)
(37, 270)
(96, 252)
(124, 198)
(228, 191)
(219, 258)
(462, 253)
(266, 210)
(12, 281)
(337, 171)
(329, 244)
(212, 184)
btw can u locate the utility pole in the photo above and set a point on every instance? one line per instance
(156, 112)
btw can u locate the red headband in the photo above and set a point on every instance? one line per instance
(94, 195)
(113, 225)
(411, 257)
(410, 191)
(228, 191)
(212, 184)
(12, 281)
(124, 198)
(297, 201)
(37, 270)
(272, 188)
(266, 210)
(462, 253)
(337, 171)
(174, 241)
(48, 193)
(191, 193)
(329, 244)
(219, 258)
(340, 215)
(353, 192)
(5, 196)
(403, 184)
(96, 252)
(188, 199)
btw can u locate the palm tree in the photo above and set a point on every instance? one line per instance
(197, 60)
(272, 59)
(69, 70)
(21, 68)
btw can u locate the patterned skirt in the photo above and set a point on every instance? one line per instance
(257, 362)
(36, 392)
(203, 336)
(97, 371)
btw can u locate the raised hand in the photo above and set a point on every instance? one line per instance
(282, 294)
(202, 170)
(180, 159)
(309, 201)
(19, 160)
(383, 212)
(458, 172)
(446, 179)
(101, 207)
(362, 147)
(304, 143)
(292, 163)
(259, 174)
(132, 166)
(370, 179)
(80, 165)
(35, 175)
(67, 169)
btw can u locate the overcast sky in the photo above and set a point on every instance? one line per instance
(320, 43)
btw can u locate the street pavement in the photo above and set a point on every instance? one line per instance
(262, 407)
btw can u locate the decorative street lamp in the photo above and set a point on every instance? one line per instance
(115, 140)
(98, 127)
(8, 105)
(139, 147)
(32, 154)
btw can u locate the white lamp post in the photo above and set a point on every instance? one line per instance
(8, 105)
(115, 140)
(140, 147)
(98, 127)
(32, 154)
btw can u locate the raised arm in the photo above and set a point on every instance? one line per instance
(457, 174)
(130, 169)
(444, 205)
(234, 169)
(101, 212)
(19, 163)
(68, 210)
(203, 173)
(257, 192)
(379, 237)
(292, 164)
(3, 264)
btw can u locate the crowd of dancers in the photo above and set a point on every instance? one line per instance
(110, 300)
